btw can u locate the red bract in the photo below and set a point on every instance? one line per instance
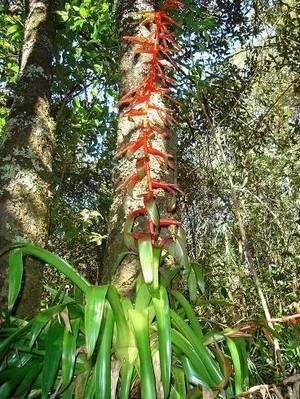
(141, 104)
(168, 222)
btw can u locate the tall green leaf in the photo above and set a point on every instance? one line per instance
(126, 376)
(54, 341)
(40, 321)
(9, 380)
(59, 264)
(162, 311)
(145, 251)
(103, 363)
(184, 346)
(15, 273)
(69, 352)
(208, 362)
(34, 369)
(140, 322)
(178, 391)
(238, 354)
(189, 312)
(95, 301)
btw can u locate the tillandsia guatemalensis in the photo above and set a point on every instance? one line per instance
(139, 105)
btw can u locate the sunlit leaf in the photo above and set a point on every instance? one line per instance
(140, 322)
(95, 301)
(162, 311)
(103, 362)
(15, 273)
(145, 251)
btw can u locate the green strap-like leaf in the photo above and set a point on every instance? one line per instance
(33, 371)
(162, 311)
(178, 391)
(9, 380)
(185, 347)
(126, 376)
(140, 322)
(208, 362)
(5, 344)
(103, 363)
(69, 353)
(143, 296)
(59, 264)
(15, 273)
(177, 249)
(189, 312)
(90, 388)
(39, 322)
(191, 373)
(155, 266)
(239, 359)
(199, 276)
(54, 341)
(128, 239)
(95, 301)
(124, 336)
(69, 392)
(152, 210)
(145, 251)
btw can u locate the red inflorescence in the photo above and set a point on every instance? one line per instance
(140, 102)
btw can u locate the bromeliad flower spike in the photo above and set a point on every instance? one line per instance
(137, 105)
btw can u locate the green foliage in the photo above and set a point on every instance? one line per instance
(84, 91)
(71, 347)
(10, 44)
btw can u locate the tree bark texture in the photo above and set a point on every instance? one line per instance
(133, 68)
(26, 153)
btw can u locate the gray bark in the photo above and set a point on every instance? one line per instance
(26, 153)
(133, 68)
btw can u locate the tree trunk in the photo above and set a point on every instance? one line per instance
(26, 151)
(133, 68)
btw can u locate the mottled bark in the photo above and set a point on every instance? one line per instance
(133, 68)
(25, 153)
